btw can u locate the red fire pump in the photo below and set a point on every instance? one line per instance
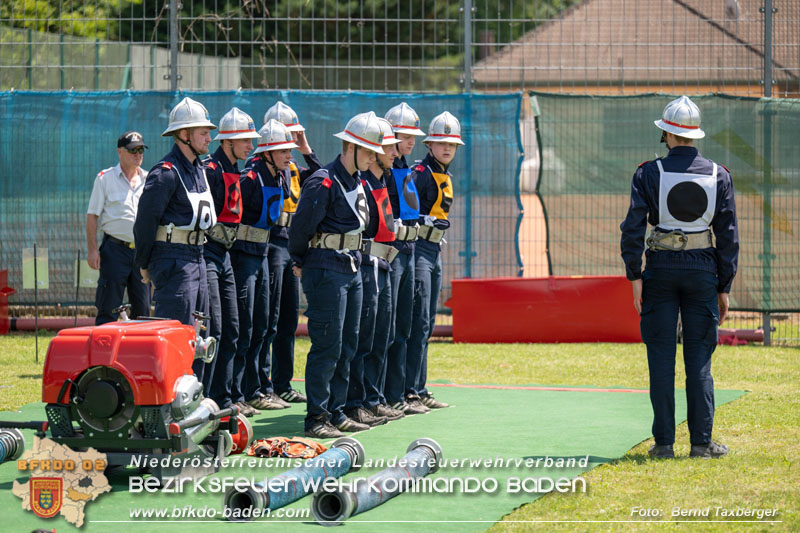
(127, 389)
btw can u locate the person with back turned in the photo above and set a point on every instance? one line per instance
(692, 254)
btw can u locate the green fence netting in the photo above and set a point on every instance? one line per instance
(52, 144)
(591, 146)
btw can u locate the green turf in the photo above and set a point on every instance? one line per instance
(483, 424)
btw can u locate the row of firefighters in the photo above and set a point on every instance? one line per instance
(361, 235)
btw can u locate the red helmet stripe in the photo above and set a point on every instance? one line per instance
(350, 133)
(274, 144)
(225, 132)
(665, 121)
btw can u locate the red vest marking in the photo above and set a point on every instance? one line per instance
(232, 206)
(385, 218)
(327, 183)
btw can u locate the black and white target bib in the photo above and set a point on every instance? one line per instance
(686, 201)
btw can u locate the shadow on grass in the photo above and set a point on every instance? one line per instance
(287, 425)
(30, 376)
(642, 458)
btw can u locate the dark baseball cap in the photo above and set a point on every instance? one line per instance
(130, 140)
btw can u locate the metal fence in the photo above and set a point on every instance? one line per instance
(565, 46)
(747, 48)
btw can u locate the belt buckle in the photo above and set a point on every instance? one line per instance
(656, 240)
(198, 234)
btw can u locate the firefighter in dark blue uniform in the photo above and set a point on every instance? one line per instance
(284, 287)
(435, 186)
(324, 242)
(366, 402)
(685, 197)
(262, 193)
(405, 207)
(175, 210)
(236, 133)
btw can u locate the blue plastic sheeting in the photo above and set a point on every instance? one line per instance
(53, 144)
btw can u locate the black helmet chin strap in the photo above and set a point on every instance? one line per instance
(188, 143)
(442, 165)
(355, 157)
(270, 160)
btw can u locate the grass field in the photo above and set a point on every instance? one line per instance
(762, 429)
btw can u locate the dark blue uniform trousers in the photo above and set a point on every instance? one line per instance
(427, 286)
(284, 295)
(118, 272)
(368, 367)
(224, 325)
(252, 289)
(693, 293)
(334, 311)
(402, 291)
(180, 290)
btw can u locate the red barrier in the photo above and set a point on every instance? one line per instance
(5, 292)
(554, 309)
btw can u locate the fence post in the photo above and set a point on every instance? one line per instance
(30, 59)
(61, 56)
(766, 255)
(173, 45)
(467, 254)
(96, 63)
(467, 46)
(768, 11)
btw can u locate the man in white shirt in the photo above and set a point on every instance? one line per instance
(112, 209)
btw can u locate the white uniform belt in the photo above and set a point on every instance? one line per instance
(336, 241)
(180, 236)
(381, 250)
(431, 234)
(677, 240)
(406, 233)
(285, 220)
(252, 234)
(222, 234)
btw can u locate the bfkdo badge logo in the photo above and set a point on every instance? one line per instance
(46, 495)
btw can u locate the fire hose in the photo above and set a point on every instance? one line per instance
(331, 508)
(345, 455)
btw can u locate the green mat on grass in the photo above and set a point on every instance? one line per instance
(483, 424)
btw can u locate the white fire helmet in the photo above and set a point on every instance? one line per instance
(188, 114)
(681, 117)
(444, 128)
(404, 119)
(274, 136)
(363, 130)
(285, 115)
(236, 124)
(388, 132)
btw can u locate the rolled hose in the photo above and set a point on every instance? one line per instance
(331, 508)
(12, 444)
(345, 455)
